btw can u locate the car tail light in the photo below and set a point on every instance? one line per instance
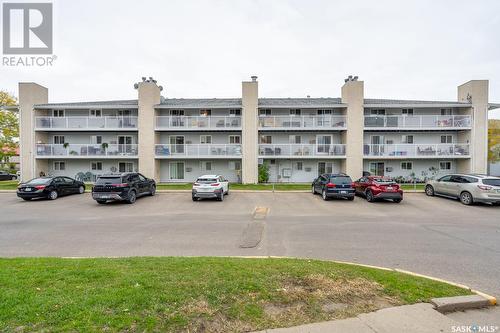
(353, 184)
(196, 184)
(120, 185)
(215, 184)
(484, 187)
(330, 185)
(40, 187)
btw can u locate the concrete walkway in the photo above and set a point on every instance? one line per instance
(416, 318)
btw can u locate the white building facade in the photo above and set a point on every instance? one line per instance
(176, 140)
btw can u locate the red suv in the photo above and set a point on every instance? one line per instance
(376, 187)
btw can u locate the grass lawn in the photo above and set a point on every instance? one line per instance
(419, 187)
(8, 184)
(235, 186)
(195, 294)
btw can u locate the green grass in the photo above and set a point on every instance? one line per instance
(235, 186)
(8, 184)
(419, 187)
(194, 294)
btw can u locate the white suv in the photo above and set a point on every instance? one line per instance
(210, 186)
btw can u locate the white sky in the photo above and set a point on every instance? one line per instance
(401, 49)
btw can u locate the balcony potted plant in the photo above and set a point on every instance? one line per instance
(66, 145)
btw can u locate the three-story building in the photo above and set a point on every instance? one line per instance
(176, 140)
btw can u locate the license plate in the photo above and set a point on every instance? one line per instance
(28, 189)
(343, 192)
(104, 196)
(204, 190)
(390, 188)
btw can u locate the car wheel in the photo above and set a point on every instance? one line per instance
(227, 192)
(429, 190)
(496, 203)
(27, 199)
(152, 191)
(102, 202)
(13, 178)
(323, 195)
(350, 198)
(396, 200)
(194, 198)
(369, 196)
(81, 189)
(131, 197)
(466, 198)
(221, 197)
(313, 191)
(53, 195)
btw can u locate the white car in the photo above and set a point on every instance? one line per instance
(210, 186)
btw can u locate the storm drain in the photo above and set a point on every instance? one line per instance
(252, 234)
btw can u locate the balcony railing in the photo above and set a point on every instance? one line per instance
(75, 123)
(417, 150)
(300, 150)
(75, 150)
(422, 121)
(303, 122)
(198, 150)
(198, 122)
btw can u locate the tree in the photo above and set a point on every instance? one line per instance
(9, 129)
(493, 140)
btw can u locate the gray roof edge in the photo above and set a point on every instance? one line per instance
(493, 106)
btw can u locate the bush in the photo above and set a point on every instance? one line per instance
(263, 173)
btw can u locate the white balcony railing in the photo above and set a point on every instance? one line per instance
(198, 122)
(75, 150)
(301, 122)
(422, 121)
(300, 150)
(76, 123)
(198, 150)
(417, 150)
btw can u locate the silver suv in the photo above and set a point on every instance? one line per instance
(469, 188)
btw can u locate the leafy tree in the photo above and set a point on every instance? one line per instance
(9, 129)
(494, 140)
(263, 173)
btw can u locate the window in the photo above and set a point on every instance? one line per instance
(266, 139)
(95, 113)
(96, 139)
(125, 167)
(264, 112)
(205, 139)
(234, 139)
(205, 112)
(299, 166)
(59, 166)
(235, 112)
(58, 113)
(445, 178)
(176, 112)
(141, 178)
(322, 112)
(406, 165)
(294, 112)
(377, 112)
(407, 138)
(176, 170)
(446, 112)
(297, 139)
(446, 139)
(325, 167)
(206, 166)
(407, 112)
(445, 165)
(58, 139)
(234, 165)
(67, 180)
(96, 166)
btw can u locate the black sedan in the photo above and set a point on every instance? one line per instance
(49, 187)
(7, 176)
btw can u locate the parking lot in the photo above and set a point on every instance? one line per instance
(434, 236)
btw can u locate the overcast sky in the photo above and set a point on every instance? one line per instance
(401, 49)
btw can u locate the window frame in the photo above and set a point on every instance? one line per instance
(406, 163)
(95, 113)
(59, 163)
(233, 137)
(204, 137)
(96, 163)
(445, 169)
(58, 137)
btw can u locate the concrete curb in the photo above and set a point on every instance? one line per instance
(459, 303)
(237, 191)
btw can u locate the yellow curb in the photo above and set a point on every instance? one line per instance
(433, 278)
(491, 299)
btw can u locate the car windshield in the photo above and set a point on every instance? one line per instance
(206, 180)
(39, 181)
(340, 180)
(108, 180)
(383, 181)
(491, 181)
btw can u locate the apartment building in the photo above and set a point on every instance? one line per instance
(176, 140)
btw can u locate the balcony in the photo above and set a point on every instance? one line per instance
(418, 122)
(85, 123)
(197, 123)
(198, 151)
(85, 151)
(427, 150)
(302, 122)
(301, 150)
